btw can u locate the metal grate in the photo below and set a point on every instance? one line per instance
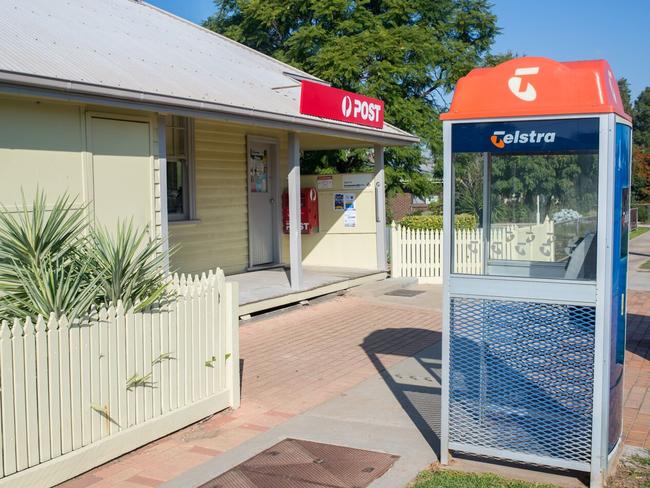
(296, 463)
(521, 377)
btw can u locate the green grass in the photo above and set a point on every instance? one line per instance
(455, 479)
(632, 472)
(639, 231)
(645, 266)
(641, 460)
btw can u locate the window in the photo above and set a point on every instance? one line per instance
(180, 170)
(535, 199)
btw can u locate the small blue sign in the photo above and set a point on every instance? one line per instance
(527, 136)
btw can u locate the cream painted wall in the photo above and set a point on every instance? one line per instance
(219, 236)
(336, 245)
(40, 144)
(51, 145)
(104, 158)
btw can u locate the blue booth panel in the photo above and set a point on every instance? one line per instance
(621, 218)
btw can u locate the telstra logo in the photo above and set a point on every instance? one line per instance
(500, 138)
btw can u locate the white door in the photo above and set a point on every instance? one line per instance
(261, 200)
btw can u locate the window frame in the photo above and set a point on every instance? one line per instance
(189, 176)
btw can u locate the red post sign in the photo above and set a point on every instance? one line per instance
(332, 103)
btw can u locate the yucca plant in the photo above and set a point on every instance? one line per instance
(55, 286)
(129, 265)
(53, 261)
(42, 259)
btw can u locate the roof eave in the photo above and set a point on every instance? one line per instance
(26, 84)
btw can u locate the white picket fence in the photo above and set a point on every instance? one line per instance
(418, 253)
(75, 395)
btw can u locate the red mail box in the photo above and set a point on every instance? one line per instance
(308, 211)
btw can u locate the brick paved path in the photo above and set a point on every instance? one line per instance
(637, 371)
(297, 360)
(291, 362)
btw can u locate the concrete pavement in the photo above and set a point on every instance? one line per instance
(639, 252)
(396, 412)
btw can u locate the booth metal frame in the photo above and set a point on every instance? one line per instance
(570, 292)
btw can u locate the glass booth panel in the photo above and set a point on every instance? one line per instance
(532, 189)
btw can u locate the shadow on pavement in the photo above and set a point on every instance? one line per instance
(418, 395)
(637, 341)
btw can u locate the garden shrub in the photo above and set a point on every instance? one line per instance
(434, 222)
(52, 261)
(643, 214)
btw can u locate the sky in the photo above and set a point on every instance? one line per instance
(564, 30)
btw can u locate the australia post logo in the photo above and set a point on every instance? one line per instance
(363, 109)
(501, 138)
(331, 103)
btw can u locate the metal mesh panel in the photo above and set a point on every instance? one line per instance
(521, 377)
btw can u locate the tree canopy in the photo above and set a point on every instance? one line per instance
(626, 94)
(517, 181)
(409, 53)
(641, 150)
(641, 116)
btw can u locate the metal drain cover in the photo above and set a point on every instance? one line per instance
(295, 463)
(404, 293)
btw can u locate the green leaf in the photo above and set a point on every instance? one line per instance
(129, 266)
(166, 356)
(138, 380)
(98, 408)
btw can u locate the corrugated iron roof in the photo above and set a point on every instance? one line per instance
(130, 49)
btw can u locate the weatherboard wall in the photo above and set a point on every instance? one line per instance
(69, 148)
(218, 236)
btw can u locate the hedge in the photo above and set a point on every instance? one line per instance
(434, 222)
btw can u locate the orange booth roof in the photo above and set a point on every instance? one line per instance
(533, 86)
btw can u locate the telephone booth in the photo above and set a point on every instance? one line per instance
(535, 297)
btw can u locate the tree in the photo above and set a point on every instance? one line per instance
(641, 116)
(562, 181)
(408, 53)
(468, 170)
(640, 175)
(626, 94)
(641, 148)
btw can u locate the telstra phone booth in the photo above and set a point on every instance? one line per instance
(535, 306)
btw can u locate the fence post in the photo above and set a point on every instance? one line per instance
(395, 254)
(8, 452)
(232, 335)
(438, 243)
